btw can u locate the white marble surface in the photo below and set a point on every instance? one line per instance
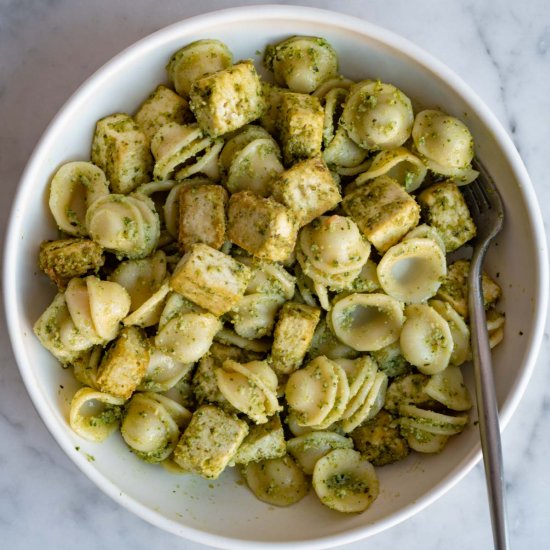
(47, 48)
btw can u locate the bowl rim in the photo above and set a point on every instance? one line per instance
(341, 21)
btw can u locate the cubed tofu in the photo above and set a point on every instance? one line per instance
(209, 442)
(121, 149)
(124, 364)
(454, 288)
(383, 211)
(273, 96)
(202, 215)
(293, 335)
(307, 189)
(445, 209)
(210, 278)
(380, 441)
(264, 441)
(228, 99)
(67, 258)
(263, 227)
(300, 124)
(161, 107)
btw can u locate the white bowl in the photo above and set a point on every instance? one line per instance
(225, 513)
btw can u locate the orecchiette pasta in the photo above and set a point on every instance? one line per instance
(399, 164)
(433, 422)
(151, 425)
(422, 441)
(187, 336)
(367, 322)
(427, 431)
(126, 225)
(332, 251)
(219, 298)
(312, 391)
(411, 271)
(183, 150)
(277, 481)
(48, 330)
(95, 415)
(344, 481)
(447, 387)
(425, 231)
(109, 304)
(254, 167)
(367, 280)
(196, 60)
(426, 339)
(141, 278)
(445, 144)
(459, 331)
(328, 85)
(357, 371)
(371, 406)
(307, 449)
(163, 372)
(150, 311)
(249, 388)
(74, 187)
(495, 326)
(302, 62)
(96, 308)
(340, 401)
(377, 115)
(343, 153)
(269, 278)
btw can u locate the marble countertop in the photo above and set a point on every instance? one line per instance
(47, 48)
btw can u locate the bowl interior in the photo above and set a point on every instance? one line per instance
(215, 512)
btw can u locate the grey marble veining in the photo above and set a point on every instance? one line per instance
(501, 49)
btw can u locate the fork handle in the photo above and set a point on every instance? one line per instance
(486, 401)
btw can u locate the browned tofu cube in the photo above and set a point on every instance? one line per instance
(301, 120)
(383, 211)
(263, 442)
(380, 441)
(445, 209)
(307, 189)
(202, 215)
(292, 336)
(121, 149)
(273, 96)
(210, 278)
(161, 107)
(210, 441)
(228, 99)
(263, 227)
(454, 288)
(125, 363)
(67, 258)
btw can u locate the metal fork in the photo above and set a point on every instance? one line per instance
(487, 212)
